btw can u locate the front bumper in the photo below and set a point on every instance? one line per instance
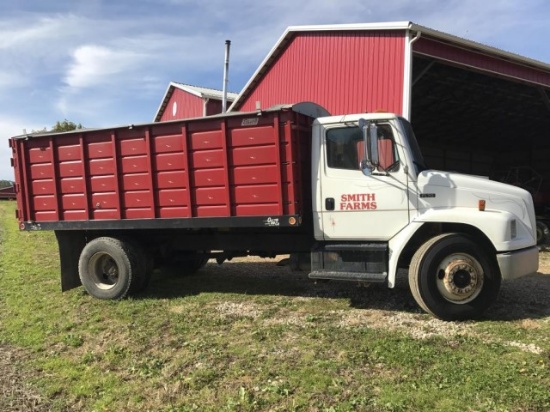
(518, 263)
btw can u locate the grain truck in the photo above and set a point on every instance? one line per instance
(350, 193)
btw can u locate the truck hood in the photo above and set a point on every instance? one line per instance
(437, 189)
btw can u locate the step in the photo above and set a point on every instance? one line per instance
(351, 276)
(363, 247)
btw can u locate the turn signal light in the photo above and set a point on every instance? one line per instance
(481, 205)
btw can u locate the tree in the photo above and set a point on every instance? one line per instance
(65, 126)
(6, 183)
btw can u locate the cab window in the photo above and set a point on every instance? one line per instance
(342, 145)
(345, 148)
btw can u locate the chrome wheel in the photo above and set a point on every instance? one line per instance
(460, 278)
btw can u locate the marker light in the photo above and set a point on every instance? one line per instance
(292, 221)
(513, 229)
(481, 205)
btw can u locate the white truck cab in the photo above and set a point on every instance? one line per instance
(377, 208)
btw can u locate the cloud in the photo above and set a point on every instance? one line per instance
(10, 80)
(95, 65)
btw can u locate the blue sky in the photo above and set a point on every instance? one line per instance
(104, 63)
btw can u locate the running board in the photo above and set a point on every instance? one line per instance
(351, 276)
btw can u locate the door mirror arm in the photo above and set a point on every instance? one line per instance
(370, 160)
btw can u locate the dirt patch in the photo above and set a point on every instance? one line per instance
(238, 310)
(16, 394)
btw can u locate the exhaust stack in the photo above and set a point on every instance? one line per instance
(225, 72)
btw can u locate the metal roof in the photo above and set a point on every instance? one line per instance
(291, 31)
(202, 92)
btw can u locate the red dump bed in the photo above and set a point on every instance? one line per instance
(235, 165)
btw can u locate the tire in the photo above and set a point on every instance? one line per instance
(145, 266)
(187, 263)
(543, 233)
(110, 268)
(452, 278)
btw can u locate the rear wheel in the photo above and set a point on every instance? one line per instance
(145, 266)
(188, 263)
(109, 268)
(452, 278)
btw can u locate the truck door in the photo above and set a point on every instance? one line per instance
(355, 206)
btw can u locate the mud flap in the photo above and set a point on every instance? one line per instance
(70, 245)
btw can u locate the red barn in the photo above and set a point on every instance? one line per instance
(475, 108)
(7, 193)
(183, 101)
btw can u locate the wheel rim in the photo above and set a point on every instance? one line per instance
(104, 271)
(460, 278)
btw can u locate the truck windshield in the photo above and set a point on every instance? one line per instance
(418, 159)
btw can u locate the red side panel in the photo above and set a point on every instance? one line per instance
(244, 165)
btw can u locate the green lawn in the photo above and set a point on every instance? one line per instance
(250, 336)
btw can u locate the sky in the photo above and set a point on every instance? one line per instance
(105, 63)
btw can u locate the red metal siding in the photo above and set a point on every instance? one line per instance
(214, 106)
(187, 106)
(480, 61)
(236, 166)
(345, 72)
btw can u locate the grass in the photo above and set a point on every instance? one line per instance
(250, 336)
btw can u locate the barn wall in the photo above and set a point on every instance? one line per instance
(214, 107)
(345, 72)
(187, 106)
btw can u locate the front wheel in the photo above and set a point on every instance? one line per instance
(452, 278)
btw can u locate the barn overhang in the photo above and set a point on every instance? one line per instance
(463, 91)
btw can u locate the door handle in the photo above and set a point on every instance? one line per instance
(329, 203)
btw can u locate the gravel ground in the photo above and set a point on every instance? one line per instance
(524, 300)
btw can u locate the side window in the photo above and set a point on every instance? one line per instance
(342, 148)
(345, 148)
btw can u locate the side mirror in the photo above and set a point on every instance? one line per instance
(370, 144)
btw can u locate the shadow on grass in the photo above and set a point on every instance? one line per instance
(526, 298)
(266, 278)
